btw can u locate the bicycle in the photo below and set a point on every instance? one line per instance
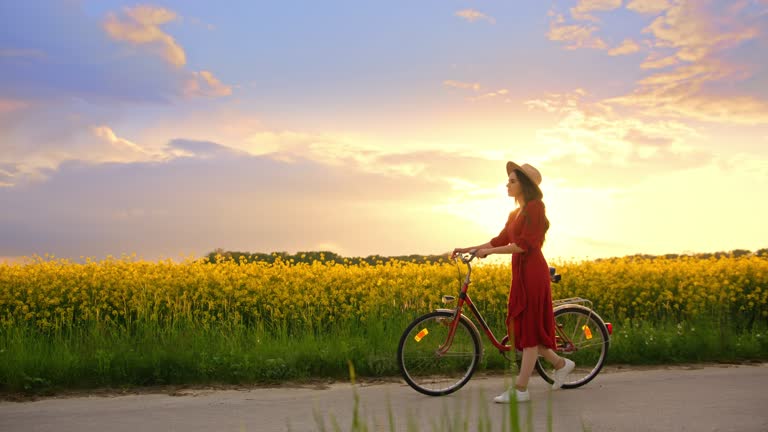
(440, 351)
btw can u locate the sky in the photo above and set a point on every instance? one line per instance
(169, 129)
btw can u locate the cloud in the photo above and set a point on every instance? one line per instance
(35, 151)
(575, 36)
(592, 137)
(661, 102)
(7, 174)
(582, 9)
(695, 33)
(472, 15)
(691, 61)
(203, 83)
(437, 166)
(33, 146)
(658, 61)
(461, 85)
(62, 66)
(501, 93)
(200, 149)
(556, 102)
(212, 197)
(140, 25)
(60, 85)
(576, 33)
(111, 148)
(359, 154)
(649, 7)
(628, 46)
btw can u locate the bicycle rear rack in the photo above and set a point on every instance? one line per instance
(572, 300)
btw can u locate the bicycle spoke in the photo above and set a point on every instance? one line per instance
(590, 344)
(578, 326)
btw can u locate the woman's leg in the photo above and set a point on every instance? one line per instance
(552, 357)
(526, 367)
(530, 355)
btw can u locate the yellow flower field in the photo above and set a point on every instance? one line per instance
(53, 294)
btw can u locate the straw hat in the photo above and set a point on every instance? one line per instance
(532, 173)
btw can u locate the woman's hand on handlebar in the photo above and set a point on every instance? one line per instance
(482, 253)
(458, 251)
(473, 252)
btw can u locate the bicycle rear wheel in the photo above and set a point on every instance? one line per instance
(429, 372)
(581, 335)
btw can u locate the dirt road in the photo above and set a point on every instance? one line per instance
(697, 398)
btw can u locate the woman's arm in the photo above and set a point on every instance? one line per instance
(468, 249)
(506, 249)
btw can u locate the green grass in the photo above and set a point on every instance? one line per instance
(704, 341)
(35, 362)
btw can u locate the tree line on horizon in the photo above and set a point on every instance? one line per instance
(328, 256)
(322, 256)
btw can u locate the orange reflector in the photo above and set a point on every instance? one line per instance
(587, 332)
(421, 335)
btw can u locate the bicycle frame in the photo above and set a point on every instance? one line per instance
(565, 344)
(465, 299)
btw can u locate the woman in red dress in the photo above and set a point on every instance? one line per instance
(530, 319)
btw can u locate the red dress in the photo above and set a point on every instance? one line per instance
(530, 295)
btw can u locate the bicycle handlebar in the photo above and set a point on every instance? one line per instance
(467, 258)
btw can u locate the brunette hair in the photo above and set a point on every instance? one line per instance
(530, 192)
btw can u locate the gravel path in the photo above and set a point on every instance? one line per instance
(694, 398)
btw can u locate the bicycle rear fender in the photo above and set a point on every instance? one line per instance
(465, 319)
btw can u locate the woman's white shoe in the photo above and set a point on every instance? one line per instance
(506, 397)
(561, 374)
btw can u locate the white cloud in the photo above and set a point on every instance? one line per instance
(582, 9)
(498, 94)
(687, 59)
(657, 61)
(575, 36)
(693, 32)
(649, 6)
(203, 83)
(268, 200)
(628, 46)
(472, 15)
(592, 136)
(116, 149)
(140, 25)
(35, 156)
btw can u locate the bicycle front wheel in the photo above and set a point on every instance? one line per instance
(428, 371)
(581, 335)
